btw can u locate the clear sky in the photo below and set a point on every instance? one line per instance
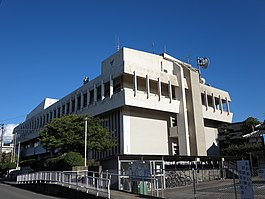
(47, 47)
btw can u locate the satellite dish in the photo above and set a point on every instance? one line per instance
(203, 62)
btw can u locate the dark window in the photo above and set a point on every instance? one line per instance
(84, 99)
(91, 100)
(107, 89)
(73, 106)
(117, 84)
(173, 88)
(78, 102)
(99, 93)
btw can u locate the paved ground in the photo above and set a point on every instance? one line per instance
(220, 189)
(11, 192)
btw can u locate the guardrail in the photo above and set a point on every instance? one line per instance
(96, 183)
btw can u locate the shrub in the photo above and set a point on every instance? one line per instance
(64, 162)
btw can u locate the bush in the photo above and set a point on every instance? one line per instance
(32, 163)
(4, 167)
(72, 159)
(64, 162)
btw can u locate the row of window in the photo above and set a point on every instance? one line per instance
(215, 102)
(82, 100)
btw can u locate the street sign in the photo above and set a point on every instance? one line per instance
(245, 181)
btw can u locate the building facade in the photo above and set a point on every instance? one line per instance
(154, 105)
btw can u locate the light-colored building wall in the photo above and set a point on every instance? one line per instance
(139, 94)
(147, 131)
(211, 135)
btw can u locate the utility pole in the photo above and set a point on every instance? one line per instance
(85, 140)
(1, 142)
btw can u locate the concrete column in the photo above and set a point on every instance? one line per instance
(110, 86)
(159, 89)
(170, 90)
(182, 117)
(147, 86)
(95, 94)
(227, 105)
(71, 105)
(65, 107)
(75, 103)
(220, 104)
(206, 100)
(214, 106)
(102, 90)
(134, 83)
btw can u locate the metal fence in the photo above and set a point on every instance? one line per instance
(225, 183)
(96, 183)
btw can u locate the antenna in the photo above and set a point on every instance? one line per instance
(202, 62)
(117, 43)
(165, 49)
(153, 47)
(188, 59)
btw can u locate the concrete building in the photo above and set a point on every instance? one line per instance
(154, 104)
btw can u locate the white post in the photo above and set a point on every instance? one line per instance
(85, 140)
(159, 89)
(18, 154)
(170, 90)
(134, 83)
(110, 86)
(147, 86)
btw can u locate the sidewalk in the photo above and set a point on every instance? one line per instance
(114, 193)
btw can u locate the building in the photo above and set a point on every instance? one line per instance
(155, 105)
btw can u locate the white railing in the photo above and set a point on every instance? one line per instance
(96, 183)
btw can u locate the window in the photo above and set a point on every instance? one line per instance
(91, 100)
(153, 87)
(203, 99)
(117, 84)
(67, 107)
(78, 102)
(173, 89)
(63, 109)
(141, 84)
(107, 89)
(73, 106)
(99, 93)
(164, 90)
(84, 99)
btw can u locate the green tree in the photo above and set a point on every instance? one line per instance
(67, 134)
(248, 124)
(242, 150)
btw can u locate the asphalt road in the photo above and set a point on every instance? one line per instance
(11, 192)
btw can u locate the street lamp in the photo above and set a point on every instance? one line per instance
(85, 140)
(18, 154)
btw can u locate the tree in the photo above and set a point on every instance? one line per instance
(67, 134)
(248, 124)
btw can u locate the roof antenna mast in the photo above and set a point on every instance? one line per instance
(117, 43)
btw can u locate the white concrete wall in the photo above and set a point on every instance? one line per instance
(211, 135)
(145, 135)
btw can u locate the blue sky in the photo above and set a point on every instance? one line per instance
(48, 47)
